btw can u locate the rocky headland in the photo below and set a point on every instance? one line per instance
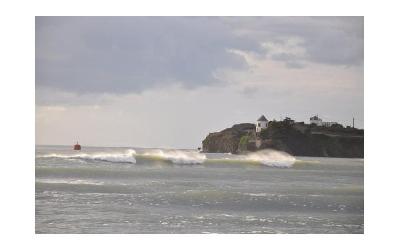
(298, 139)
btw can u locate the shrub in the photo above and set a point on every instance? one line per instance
(264, 134)
(244, 140)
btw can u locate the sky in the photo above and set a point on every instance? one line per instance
(169, 81)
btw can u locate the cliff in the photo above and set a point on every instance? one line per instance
(298, 139)
(227, 141)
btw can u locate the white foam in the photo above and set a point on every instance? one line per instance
(177, 156)
(270, 157)
(72, 182)
(119, 157)
(256, 194)
(265, 157)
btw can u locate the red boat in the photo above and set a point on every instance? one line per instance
(77, 146)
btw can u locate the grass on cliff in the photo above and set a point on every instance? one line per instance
(244, 140)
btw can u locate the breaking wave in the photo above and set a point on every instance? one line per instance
(271, 158)
(267, 157)
(125, 157)
(175, 156)
(184, 157)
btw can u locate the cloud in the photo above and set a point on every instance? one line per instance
(116, 55)
(130, 54)
(326, 40)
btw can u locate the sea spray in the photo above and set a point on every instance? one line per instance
(271, 157)
(184, 157)
(175, 156)
(117, 157)
(267, 157)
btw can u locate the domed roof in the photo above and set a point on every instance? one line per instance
(262, 118)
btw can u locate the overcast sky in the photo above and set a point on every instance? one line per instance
(169, 81)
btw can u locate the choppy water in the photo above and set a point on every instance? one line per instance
(126, 190)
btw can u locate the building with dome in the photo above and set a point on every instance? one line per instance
(318, 121)
(261, 124)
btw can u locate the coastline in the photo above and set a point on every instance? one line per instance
(297, 139)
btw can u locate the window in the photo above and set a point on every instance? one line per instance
(259, 124)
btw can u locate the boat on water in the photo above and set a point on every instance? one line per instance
(77, 146)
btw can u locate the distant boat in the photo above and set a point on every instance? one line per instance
(77, 146)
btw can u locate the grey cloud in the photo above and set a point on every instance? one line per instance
(327, 40)
(336, 48)
(294, 65)
(334, 40)
(130, 54)
(291, 61)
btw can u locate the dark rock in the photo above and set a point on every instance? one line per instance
(295, 138)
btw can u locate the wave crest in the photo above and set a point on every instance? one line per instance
(125, 157)
(266, 157)
(271, 158)
(176, 156)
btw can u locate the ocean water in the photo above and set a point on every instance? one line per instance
(128, 190)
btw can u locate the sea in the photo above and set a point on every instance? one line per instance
(109, 190)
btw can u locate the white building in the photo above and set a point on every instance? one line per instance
(329, 124)
(262, 123)
(317, 121)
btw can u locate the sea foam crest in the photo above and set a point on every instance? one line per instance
(118, 157)
(177, 156)
(270, 157)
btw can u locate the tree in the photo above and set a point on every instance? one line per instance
(337, 126)
(264, 134)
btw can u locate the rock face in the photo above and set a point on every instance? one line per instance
(297, 139)
(227, 141)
